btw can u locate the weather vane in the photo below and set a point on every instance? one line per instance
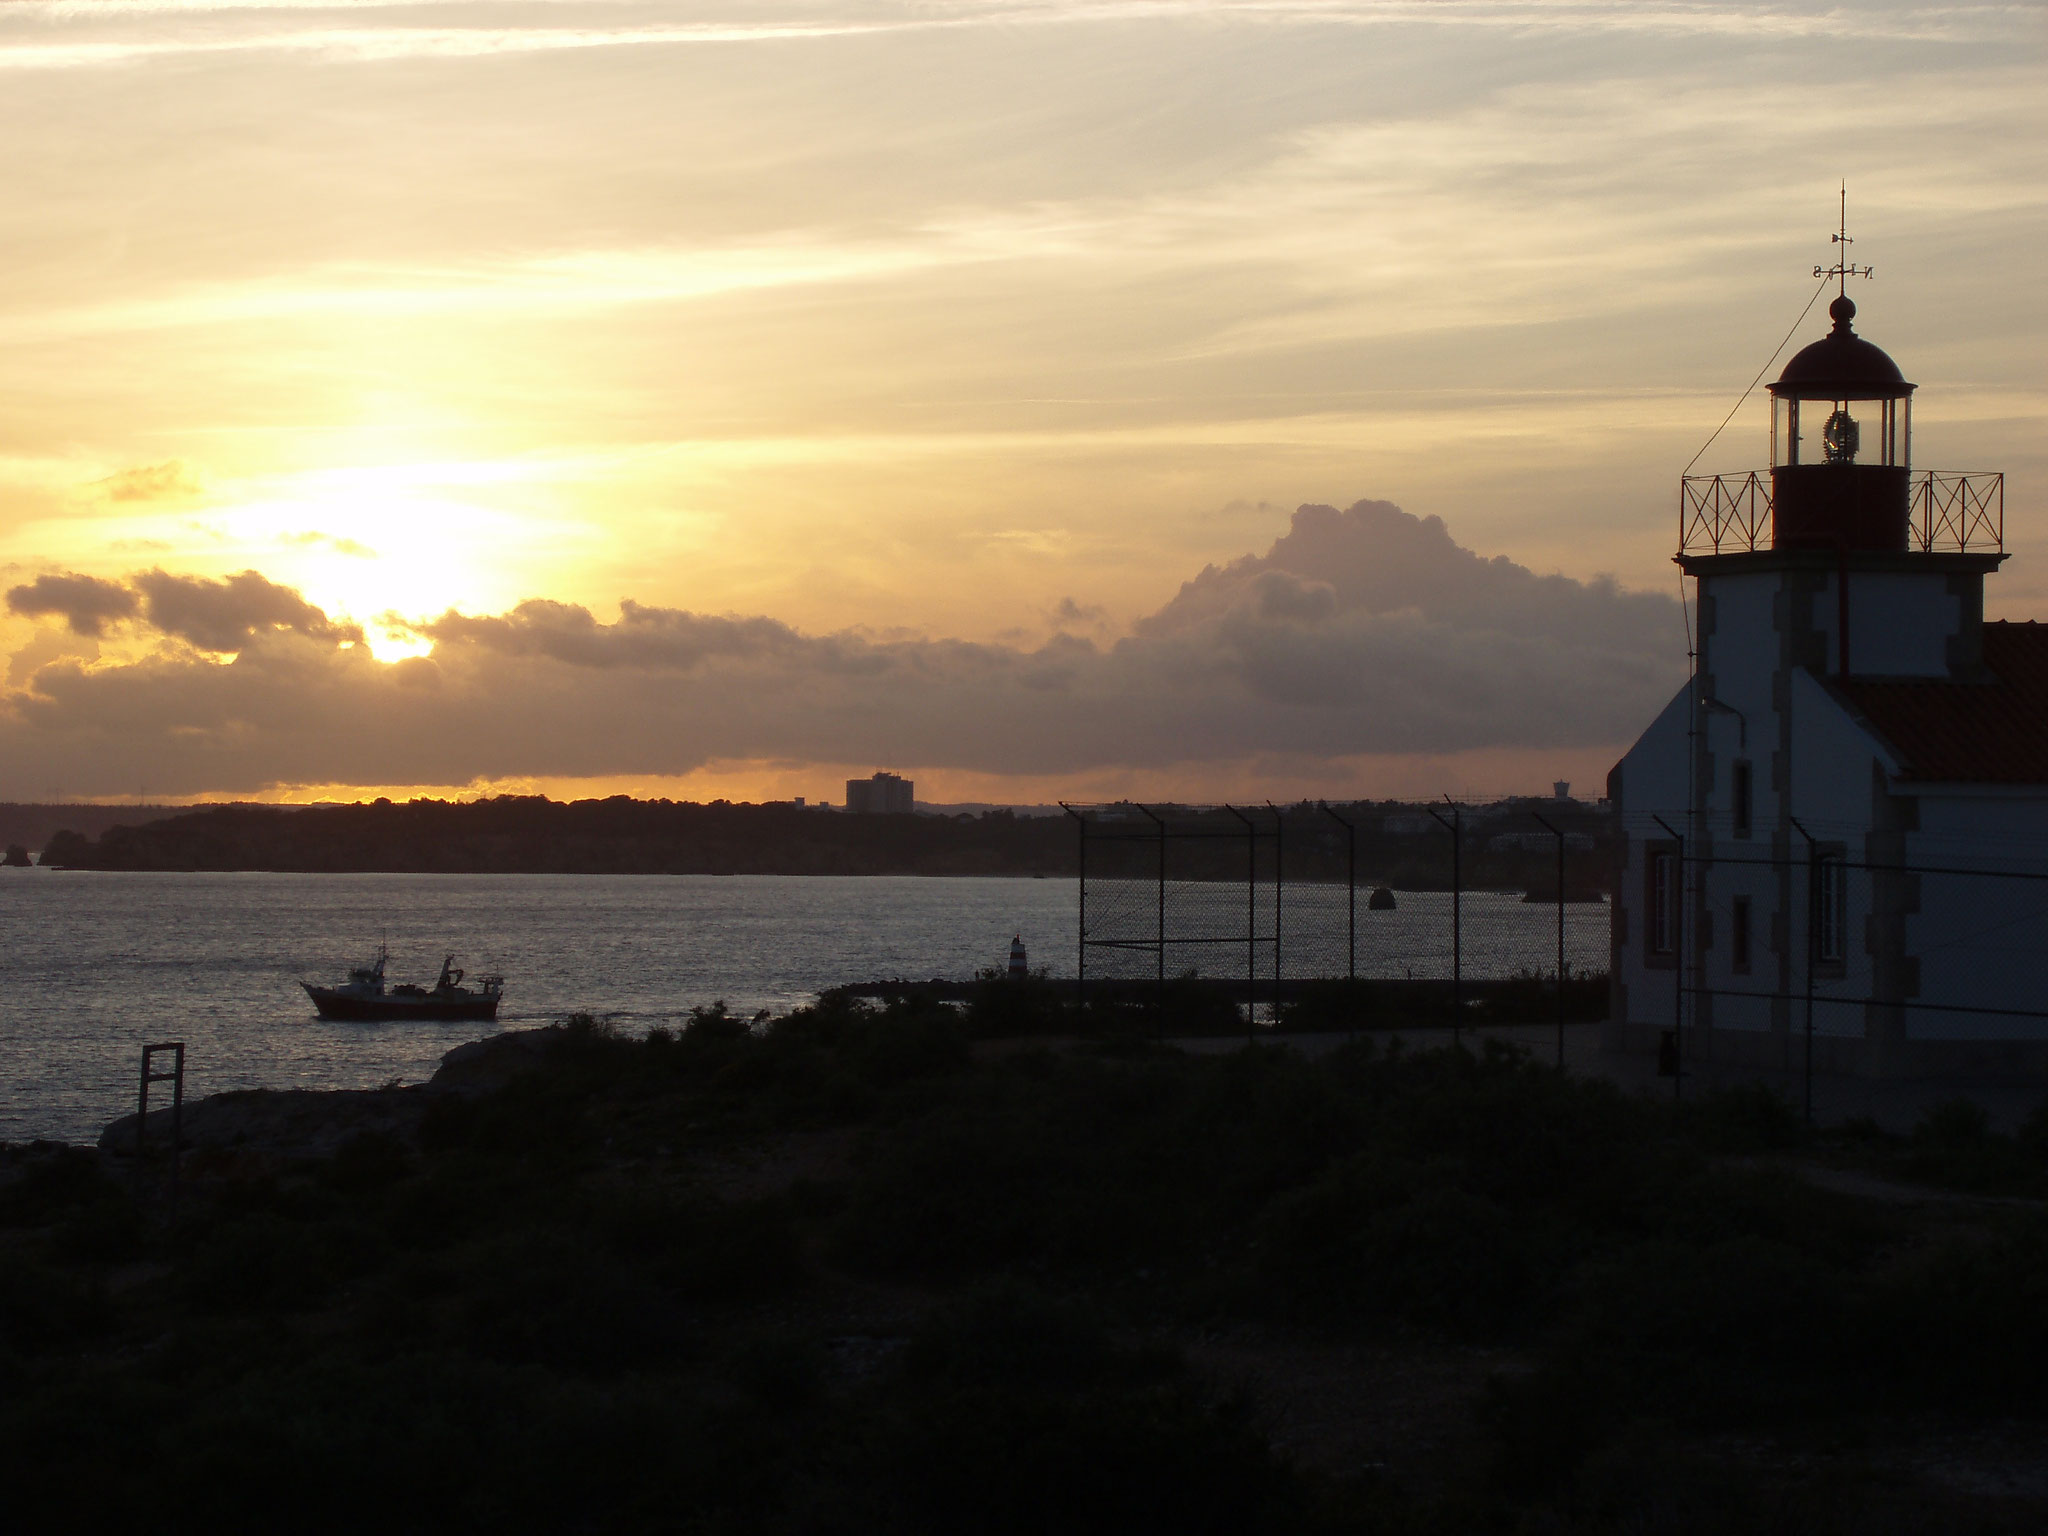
(1844, 269)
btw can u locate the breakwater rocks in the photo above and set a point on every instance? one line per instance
(262, 1125)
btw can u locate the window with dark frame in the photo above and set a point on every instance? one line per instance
(1738, 795)
(1831, 908)
(1663, 902)
(1738, 934)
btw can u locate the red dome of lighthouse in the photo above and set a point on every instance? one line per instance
(1842, 365)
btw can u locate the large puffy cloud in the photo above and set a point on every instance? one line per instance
(227, 615)
(86, 604)
(1359, 632)
(659, 638)
(223, 615)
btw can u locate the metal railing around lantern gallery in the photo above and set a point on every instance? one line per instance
(1951, 511)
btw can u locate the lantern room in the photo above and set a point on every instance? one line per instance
(1841, 445)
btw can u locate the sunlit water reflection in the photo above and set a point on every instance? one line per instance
(95, 965)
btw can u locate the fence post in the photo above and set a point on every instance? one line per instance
(1159, 998)
(1455, 825)
(1559, 835)
(1350, 891)
(1812, 949)
(1350, 918)
(1081, 923)
(1251, 920)
(1677, 963)
(1279, 891)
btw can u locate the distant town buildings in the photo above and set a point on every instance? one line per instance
(885, 794)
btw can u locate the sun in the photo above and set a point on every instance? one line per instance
(384, 546)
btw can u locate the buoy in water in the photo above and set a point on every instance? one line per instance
(1381, 899)
(1018, 968)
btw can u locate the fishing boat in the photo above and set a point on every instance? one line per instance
(364, 996)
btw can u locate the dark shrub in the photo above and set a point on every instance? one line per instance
(1747, 1117)
(262, 1262)
(1709, 1333)
(537, 1115)
(368, 1162)
(1002, 1008)
(1382, 1242)
(1953, 1125)
(1964, 1321)
(108, 1230)
(1954, 1145)
(546, 1299)
(704, 1250)
(715, 1022)
(52, 1179)
(1014, 1413)
(905, 1041)
(43, 1309)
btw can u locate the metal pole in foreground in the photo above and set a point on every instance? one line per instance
(1559, 835)
(1081, 936)
(177, 1115)
(1251, 920)
(1812, 949)
(1160, 980)
(1457, 915)
(142, 1108)
(1677, 963)
(1457, 920)
(1279, 847)
(1350, 916)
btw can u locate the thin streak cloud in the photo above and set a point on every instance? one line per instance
(377, 44)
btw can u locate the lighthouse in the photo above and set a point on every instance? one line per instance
(1822, 835)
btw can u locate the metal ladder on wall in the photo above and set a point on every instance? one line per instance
(176, 1078)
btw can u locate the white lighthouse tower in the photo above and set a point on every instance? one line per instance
(1832, 839)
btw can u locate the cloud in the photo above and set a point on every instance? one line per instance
(85, 603)
(341, 546)
(475, 40)
(227, 615)
(662, 639)
(171, 480)
(1366, 631)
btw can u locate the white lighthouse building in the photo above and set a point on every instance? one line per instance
(1834, 840)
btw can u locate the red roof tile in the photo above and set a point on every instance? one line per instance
(1991, 732)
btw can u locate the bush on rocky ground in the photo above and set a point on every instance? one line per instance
(591, 1297)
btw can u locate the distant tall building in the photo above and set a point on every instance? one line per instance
(883, 795)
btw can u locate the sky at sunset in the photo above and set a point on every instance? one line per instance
(1274, 398)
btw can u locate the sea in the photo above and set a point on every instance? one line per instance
(96, 965)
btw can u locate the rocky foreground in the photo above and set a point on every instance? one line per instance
(266, 1127)
(875, 1270)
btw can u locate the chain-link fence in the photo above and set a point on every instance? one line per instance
(1269, 901)
(1803, 957)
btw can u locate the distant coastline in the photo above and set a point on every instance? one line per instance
(536, 835)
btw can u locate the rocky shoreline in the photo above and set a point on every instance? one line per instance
(267, 1125)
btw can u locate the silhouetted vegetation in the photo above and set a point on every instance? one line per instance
(853, 1271)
